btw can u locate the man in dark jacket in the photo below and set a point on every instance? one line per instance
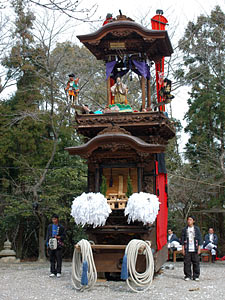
(211, 242)
(56, 231)
(191, 241)
(173, 241)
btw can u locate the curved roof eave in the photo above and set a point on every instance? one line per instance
(132, 141)
(104, 30)
(123, 25)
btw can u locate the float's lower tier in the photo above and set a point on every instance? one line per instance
(110, 242)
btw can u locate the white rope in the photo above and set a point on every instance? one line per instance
(79, 256)
(142, 281)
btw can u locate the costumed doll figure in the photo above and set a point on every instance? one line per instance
(165, 91)
(119, 90)
(72, 88)
(108, 19)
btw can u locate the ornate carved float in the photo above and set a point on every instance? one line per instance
(131, 144)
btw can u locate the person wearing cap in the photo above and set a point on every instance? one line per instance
(72, 88)
(55, 231)
(191, 241)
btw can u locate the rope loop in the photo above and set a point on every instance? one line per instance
(83, 261)
(139, 282)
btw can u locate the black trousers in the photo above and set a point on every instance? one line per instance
(55, 260)
(191, 259)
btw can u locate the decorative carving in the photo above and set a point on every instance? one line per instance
(115, 147)
(143, 154)
(114, 129)
(157, 140)
(150, 40)
(108, 155)
(94, 43)
(120, 33)
(118, 161)
(124, 118)
(151, 127)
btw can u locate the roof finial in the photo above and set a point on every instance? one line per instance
(159, 12)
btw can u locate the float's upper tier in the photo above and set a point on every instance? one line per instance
(124, 36)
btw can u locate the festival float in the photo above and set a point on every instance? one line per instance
(124, 151)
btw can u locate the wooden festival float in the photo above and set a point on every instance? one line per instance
(121, 144)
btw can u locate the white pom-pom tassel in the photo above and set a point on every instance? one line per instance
(142, 207)
(90, 209)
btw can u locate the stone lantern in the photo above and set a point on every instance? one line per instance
(7, 254)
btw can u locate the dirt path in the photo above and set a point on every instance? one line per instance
(26, 281)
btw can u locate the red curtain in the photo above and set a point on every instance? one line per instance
(162, 218)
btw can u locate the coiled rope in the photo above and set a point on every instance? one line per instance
(84, 274)
(139, 282)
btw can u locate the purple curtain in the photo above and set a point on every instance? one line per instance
(142, 68)
(109, 67)
(148, 71)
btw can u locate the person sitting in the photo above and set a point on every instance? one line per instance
(211, 242)
(173, 241)
(119, 91)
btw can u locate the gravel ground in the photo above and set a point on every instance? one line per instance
(25, 281)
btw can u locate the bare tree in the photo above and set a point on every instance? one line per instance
(72, 9)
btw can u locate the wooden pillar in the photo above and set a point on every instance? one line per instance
(97, 177)
(143, 91)
(139, 171)
(148, 93)
(108, 91)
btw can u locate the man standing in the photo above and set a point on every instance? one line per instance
(211, 242)
(191, 241)
(54, 241)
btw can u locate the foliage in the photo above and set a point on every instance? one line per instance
(38, 177)
(203, 46)
(198, 184)
(103, 187)
(172, 155)
(129, 187)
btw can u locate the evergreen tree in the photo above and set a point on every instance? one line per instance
(33, 141)
(203, 46)
(103, 187)
(129, 187)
